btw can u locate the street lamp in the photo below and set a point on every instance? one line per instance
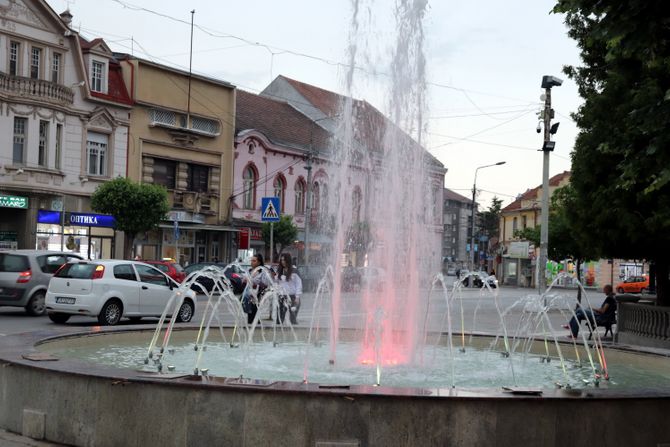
(472, 211)
(548, 82)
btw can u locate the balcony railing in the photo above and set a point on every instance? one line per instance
(37, 89)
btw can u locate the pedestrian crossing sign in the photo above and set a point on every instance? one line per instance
(270, 209)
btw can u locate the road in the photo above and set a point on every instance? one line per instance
(480, 312)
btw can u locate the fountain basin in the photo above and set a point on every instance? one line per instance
(76, 402)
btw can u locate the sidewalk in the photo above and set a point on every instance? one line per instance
(8, 439)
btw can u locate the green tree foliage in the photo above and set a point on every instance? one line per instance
(285, 233)
(489, 220)
(621, 161)
(137, 207)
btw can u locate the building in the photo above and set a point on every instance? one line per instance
(64, 114)
(273, 143)
(457, 222)
(517, 260)
(181, 137)
(371, 135)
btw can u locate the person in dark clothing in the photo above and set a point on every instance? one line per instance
(259, 279)
(605, 313)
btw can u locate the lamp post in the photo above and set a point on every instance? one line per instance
(472, 211)
(548, 146)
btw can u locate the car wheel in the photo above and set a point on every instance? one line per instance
(619, 290)
(36, 306)
(185, 312)
(111, 313)
(59, 318)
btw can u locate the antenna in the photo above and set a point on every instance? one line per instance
(190, 71)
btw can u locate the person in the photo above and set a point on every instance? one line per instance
(254, 290)
(606, 312)
(138, 257)
(288, 278)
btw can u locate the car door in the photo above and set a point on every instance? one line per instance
(154, 289)
(128, 287)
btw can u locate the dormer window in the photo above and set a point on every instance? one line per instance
(98, 76)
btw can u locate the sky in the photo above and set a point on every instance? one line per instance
(484, 64)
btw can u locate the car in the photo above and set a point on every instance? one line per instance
(351, 279)
(634, 284)
(170, 268)
(372, 277)
(111, 289)
(310, 276)
(25, 275)
(234, 272)
(451, 271)
(478, 279)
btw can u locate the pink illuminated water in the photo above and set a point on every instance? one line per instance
(380, 160)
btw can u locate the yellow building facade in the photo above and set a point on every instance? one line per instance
(181, 137)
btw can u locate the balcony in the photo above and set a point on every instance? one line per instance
(35, 89)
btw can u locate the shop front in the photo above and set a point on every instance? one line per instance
(13, 222)
(89, 234)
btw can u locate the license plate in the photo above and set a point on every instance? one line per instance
(65, 300)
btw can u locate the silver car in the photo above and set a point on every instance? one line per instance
(25, 276)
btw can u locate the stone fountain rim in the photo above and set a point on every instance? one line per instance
(20, 350)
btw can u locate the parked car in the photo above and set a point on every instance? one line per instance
(478, 281)
(372, 277)
(310, 276)
(111, 289)
(25, 275)
(351, 279)
(170, 268)
(234, 273)
(634, 284)
(451, 271)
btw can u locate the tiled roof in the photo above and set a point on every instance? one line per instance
(532, 194)
(278, 121)
(452, 195)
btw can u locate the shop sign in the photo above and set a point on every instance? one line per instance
(48, 217)
(92, 220)
(256, 234)
(185, 216)
(8, 236)
(13, 202)
(243, 242)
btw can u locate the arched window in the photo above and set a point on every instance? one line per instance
(323, 200)
(356, 199)
(279, 186)
(300, 196)
(315, 198)
(249, 182)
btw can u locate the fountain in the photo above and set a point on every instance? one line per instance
(402, 365)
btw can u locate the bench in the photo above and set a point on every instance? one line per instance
(606, 324)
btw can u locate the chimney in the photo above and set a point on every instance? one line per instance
(66, 16)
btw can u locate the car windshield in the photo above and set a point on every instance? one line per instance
(13, 263)
(76, 271)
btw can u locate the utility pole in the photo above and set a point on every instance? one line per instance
(548, 146)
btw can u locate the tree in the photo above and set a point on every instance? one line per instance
(137, 207)
(489, 220)
(620, 162)
(285, 233)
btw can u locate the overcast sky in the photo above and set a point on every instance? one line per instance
(485, 61)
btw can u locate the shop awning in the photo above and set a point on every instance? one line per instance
(198, 227)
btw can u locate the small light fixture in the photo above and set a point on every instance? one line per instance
(548, 146)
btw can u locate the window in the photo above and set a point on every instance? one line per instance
(356, 205)
(249, 182)
(158, 116)
(42, 154)
(124, 271)
(151, 275)
(98, 77)
(205, 125)
(524, 222)
(279, 186)
(18, 155)
(59, 145)
(165, 172)
(14, 54)
(300, 197)
(96, 153)
(514, 224)
(35, 62)
(55, 67)
(198, 178)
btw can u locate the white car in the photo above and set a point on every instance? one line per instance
(111, 289)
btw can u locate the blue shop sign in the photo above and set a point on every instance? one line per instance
(48, 217)
(92, 220)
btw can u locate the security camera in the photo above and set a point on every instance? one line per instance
(539, 127)
(551, 81)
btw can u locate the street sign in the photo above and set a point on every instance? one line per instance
(270, 209)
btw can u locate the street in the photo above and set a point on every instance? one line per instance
(479, 312)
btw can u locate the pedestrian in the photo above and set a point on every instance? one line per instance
(605, 313)
(258, 280)
(291, 283)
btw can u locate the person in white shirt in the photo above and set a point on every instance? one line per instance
(288, 278)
